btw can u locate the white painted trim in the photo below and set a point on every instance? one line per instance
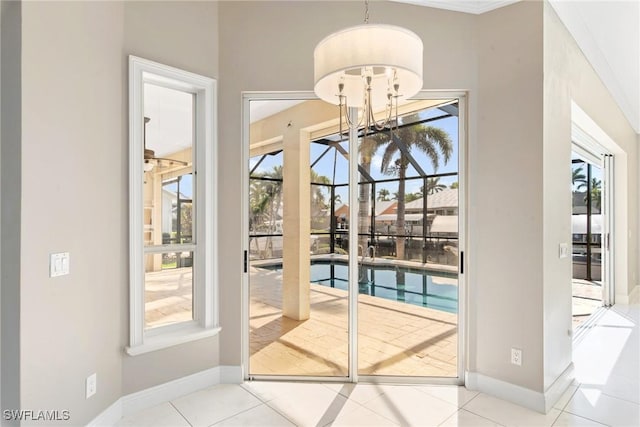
(624, 299)
(462, 98)
(463, 233)
(231, 375)
(181, 336)
(204, 247)
(109, 416)
(634, 295)
(171, 390)
(534, 400)
(247, 97)
(354, 226)
(506, 391)
(557, 389)
(476, 8)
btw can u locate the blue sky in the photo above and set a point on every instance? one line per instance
(325, 165)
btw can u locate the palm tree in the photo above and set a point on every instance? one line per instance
(317, 196)
(577, 177)
(265, 200)
(318, 207)
(596, 193)
(434, 142)
(433, 186)
(383, 195)
(410, 197)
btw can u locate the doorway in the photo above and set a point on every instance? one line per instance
(591, 226)
(353, 242)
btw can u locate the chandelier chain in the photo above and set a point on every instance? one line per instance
(366, 11)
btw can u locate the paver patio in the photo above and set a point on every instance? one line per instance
(394, 338)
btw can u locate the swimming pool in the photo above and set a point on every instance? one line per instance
(437, 290)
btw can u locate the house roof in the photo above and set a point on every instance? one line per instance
(382, 206)
(447, 198)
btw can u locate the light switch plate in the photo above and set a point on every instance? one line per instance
(59, 264)
(564, 250)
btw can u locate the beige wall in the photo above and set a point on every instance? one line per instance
(505, 160)
(268, 46)
(73, 200)
(182, 35)
(10, 178)
(74, 123)
(568, 76)
(74, 129)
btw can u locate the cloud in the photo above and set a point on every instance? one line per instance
(376, 161)
(413, 186)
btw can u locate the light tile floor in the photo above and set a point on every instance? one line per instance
(606, 392)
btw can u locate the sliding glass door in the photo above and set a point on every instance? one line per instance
(409, 246)
(353, 248)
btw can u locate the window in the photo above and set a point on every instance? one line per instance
(172, 204)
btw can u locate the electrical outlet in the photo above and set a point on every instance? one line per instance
(516, 356)
(91, 385)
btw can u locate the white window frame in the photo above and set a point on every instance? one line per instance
(205, 286)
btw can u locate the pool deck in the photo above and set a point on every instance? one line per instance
(394, 338)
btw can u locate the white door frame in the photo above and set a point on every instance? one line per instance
(461, 96)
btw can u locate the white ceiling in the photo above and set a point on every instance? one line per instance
(260, 109)
(607, 31)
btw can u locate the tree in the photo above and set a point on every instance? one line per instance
(410, 197)
(454, 186)
(433, 186)
(596, 193)
(433, 141)
(383, 195)
(265, 200)
(317, 196)
(577, 177)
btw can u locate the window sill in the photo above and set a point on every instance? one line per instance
(166, 340)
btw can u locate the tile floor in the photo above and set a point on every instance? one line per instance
(606, 392)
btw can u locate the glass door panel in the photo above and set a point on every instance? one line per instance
(408, 246)
(298, 242)
(587, 222)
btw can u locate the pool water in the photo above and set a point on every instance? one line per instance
(412, 286)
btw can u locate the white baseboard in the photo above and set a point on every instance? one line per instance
(634, 295)
(632, 298)
(153, 396)
(534, 400)
(559, 386)
(109, 416)
(231, 375)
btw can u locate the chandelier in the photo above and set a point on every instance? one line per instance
(369, 67)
